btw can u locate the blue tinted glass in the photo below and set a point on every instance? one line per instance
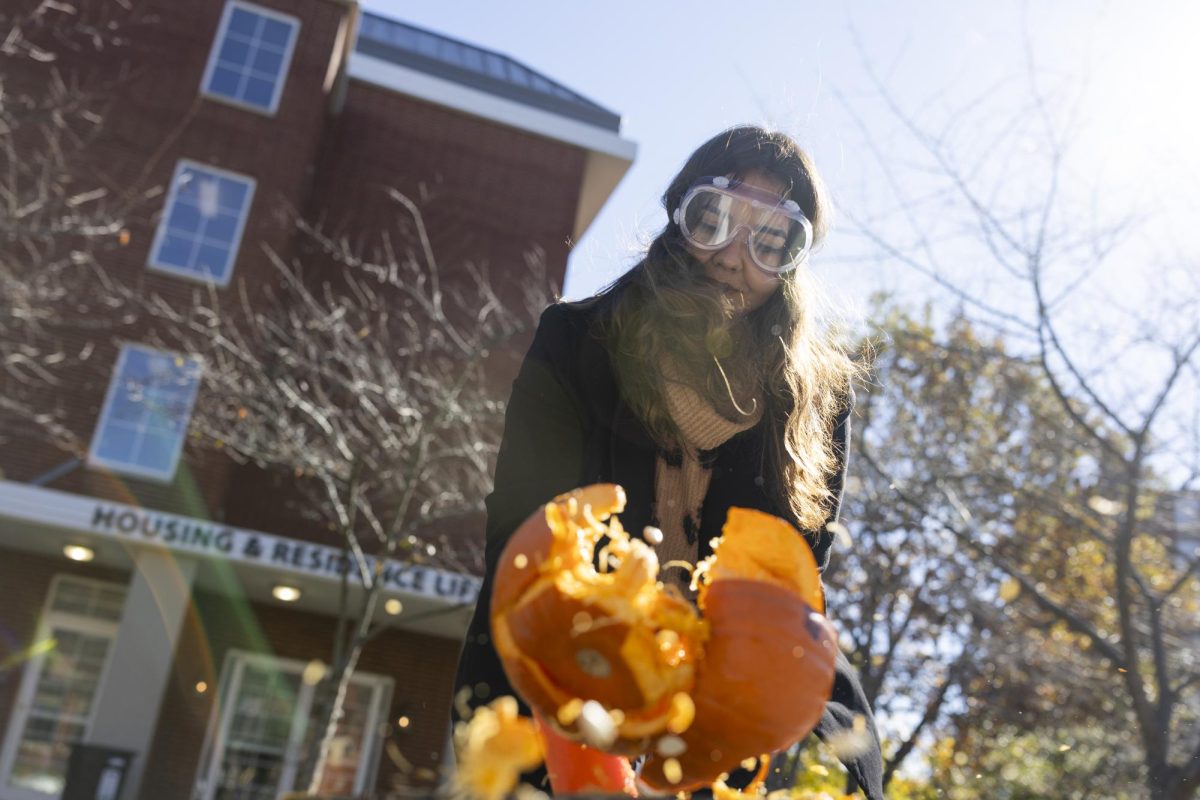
(259, 92)
(201, 225)
(137, 366)
(222, 227)
(268, 62)
(163, 414)
(473, 60)
(157, 451)
(184, 217)
(159, 369)
(518, 76)
(495, 67)
(211, 260)
(243, 22)
(233, 194)
(224, 82)
(177, 379)
(427, 45)
(161, 375)
(174, 250)
(186, 185)
(128, 403)
(147, 418)
(172, 416)
(372, 28)
(276, 32)
(403, 37)
(163, 382)
(234, 53)
(116, 443)
(450, 52)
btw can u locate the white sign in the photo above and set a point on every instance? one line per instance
(200, 537)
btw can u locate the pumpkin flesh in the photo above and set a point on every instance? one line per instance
(696, 689)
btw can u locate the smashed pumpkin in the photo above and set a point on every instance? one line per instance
(611, 656)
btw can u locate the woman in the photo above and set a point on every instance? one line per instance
(698, 381)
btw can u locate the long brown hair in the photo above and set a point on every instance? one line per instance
(665, 312)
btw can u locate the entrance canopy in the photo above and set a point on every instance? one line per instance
(232, 560)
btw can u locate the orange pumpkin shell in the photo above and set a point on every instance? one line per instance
(748, 677)
(613, 635)
(762, 685)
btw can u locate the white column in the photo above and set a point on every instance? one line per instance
(449, 766)
(130, 697)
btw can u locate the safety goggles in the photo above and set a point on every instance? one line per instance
(714, 210)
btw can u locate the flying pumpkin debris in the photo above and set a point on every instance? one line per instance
(611, 656)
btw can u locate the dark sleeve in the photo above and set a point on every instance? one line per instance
(846, 704)
(541, 456)
(822, 540)
(848, 700)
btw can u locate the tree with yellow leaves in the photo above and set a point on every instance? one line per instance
(1084, 531)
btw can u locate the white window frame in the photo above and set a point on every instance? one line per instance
(47, 621)
(219, 39)
(234, 665)
(235, 246)
(135, 470)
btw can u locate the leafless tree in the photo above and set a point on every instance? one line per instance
(996, 196)
(371, 381)
(58, 213)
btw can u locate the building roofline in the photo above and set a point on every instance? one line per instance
(477, 67)
(477, 102)
(609, 155)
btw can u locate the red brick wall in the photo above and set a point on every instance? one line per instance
(488, 193)
(154, 116)
(421, 667)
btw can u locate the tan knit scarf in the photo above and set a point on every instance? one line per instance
(682, 475)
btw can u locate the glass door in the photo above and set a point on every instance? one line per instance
(264, 712)
(54, 705)
(350, 747)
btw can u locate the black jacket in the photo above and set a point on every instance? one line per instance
(567, 426)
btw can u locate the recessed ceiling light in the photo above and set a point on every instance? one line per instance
(77, 552)
(393, 606)
(288, 594)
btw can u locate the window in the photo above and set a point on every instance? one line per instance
(146, 412)
(54, 707)
(201, 226)
(249, 61)
(260, 726)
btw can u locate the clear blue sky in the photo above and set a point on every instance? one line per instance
(680, 72)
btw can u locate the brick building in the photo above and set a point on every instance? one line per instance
(152, 602)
